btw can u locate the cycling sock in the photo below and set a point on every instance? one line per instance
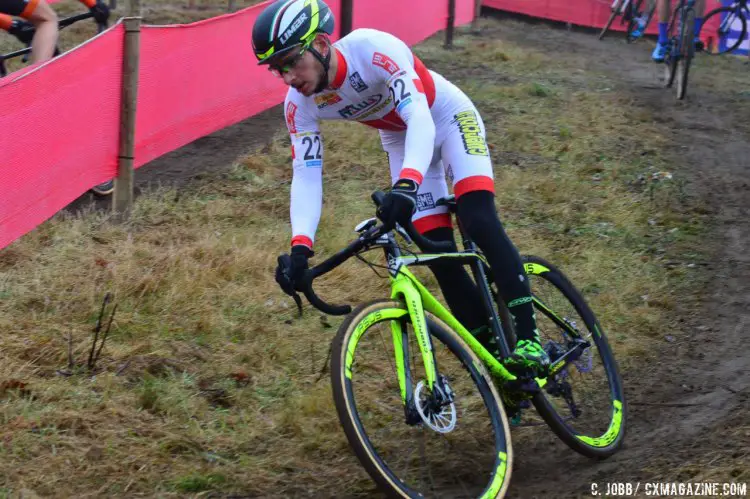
(478, 216)
(663, 33)
(460, 292)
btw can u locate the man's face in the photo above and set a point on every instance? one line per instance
(301, 70)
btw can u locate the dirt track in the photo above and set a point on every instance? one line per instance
(682, 411)
(682, 408)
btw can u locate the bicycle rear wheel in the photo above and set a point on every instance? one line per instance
(582, 400)
(415, 449)
(728, 16)
(687, 51)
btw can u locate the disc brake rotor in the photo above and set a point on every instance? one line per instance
(441, 419)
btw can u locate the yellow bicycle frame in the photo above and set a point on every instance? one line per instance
(407, 288)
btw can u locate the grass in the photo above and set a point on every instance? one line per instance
(208, 382)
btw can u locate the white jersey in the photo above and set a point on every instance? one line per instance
(381, 83)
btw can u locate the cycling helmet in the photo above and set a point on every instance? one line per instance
(286, 24)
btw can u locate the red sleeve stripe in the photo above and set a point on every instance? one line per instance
(5, 22)
(302, 240)
(412, 175)
(29, 9)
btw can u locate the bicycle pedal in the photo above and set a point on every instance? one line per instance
(528, 386)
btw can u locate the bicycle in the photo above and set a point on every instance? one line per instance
(104, 188)
(432, 371)
(62, 24)
(638, 14)
(630, 11)
(680, 46)
(737, 13)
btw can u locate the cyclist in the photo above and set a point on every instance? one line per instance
(428, 128)
(41, 29)
(663, 9)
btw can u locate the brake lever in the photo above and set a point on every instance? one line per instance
(404, 234)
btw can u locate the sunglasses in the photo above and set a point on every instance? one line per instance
(278, 70)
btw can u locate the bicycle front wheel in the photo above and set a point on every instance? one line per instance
(408, 445)
(687, 51)
(673, 49)
(729, 18)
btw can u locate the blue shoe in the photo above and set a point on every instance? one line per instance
(640, 27)
(659, 53)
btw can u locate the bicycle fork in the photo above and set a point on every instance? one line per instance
(440, 392)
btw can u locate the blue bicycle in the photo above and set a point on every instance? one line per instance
(680, 46)
(733, 20)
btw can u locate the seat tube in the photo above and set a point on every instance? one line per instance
(480, 277)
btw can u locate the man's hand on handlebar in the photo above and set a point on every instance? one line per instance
(291, 269)
(23, 30)
(399, 204)
(294, 275)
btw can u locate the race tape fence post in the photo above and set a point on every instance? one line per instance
(477, 14)
(347, 17)
(122, 200)
(112, 4)
(451, 23)
(135, 8)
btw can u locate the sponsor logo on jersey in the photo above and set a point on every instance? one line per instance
(291, 112)
(354, 110)
(326, 100)
(471, 133)
(425, 201)
(374, 110)
(291, 30)
(385, 62)
(357, 82)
